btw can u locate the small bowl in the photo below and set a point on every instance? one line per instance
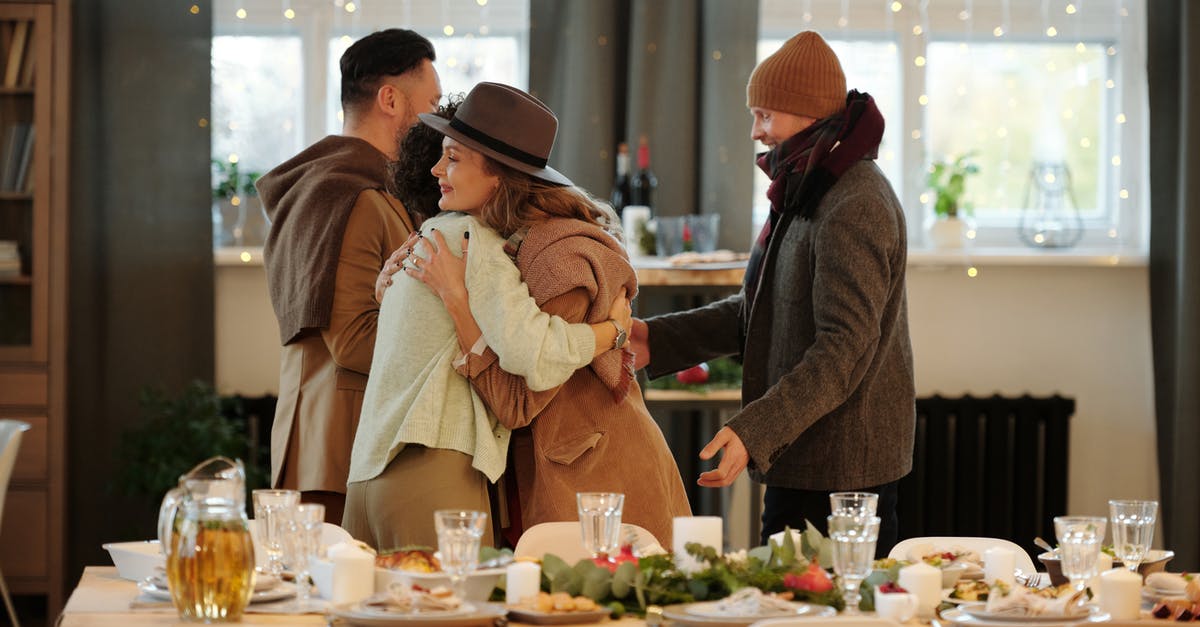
(136, 561)
(1156, 561)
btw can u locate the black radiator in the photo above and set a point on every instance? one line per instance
(993, 467)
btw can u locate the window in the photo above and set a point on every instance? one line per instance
(257, 103)
(276, 83)
(1033, 89)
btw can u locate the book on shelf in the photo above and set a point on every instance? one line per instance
(23, 182)
(16, 53)
(18, 141)
(28, 69)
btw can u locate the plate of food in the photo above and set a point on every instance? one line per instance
(966, 591)
(373, 614)
(157, 588)
(743, 607)
(966, 615)
(1161, 585)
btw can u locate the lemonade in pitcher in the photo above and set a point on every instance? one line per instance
(210, 557)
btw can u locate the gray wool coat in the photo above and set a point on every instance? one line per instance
(828, 398)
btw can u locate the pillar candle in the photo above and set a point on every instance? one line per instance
(353, 573)
(704, 530)
(998, 565)
(522, 580)
(1121, 594)
(925, 581)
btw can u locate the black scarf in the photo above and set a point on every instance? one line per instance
(808, 164)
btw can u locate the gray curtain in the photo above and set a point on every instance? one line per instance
(672, 70)
(1173, 65)
(141, 270)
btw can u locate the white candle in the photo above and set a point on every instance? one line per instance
(353, 573)
(705, 530)
(1121, 594)
(522, 580)
(1104, 563)
(998, 565)
(925, 581)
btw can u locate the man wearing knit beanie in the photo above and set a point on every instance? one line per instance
(821, 322)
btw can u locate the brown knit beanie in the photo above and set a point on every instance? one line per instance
(803, 77)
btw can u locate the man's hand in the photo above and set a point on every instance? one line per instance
(733, 459)
(393, 265)
(639, 343)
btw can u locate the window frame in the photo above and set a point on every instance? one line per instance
(1098, 20)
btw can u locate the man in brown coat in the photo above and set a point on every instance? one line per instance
(332, 227)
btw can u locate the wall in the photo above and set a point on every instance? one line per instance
(1078, 329)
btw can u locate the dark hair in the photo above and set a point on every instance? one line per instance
(390, 52)
(411, 181)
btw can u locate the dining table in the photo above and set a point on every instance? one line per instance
(103, 599)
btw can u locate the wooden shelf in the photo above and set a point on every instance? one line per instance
(16, 91)
(657, 272)
(653, 395)
(20, 279)
(16, 196)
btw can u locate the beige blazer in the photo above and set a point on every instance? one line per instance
(323, 373)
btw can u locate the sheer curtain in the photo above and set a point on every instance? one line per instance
(672, 70)
(1174, 78)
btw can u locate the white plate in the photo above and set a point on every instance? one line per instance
(705, 613)
(534, 617)
(467, 615)
(978, 613)
(282, 591)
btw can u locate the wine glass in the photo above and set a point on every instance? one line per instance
(459, 533)
(304, 532)
(854, 536)
(273, 509)
(1133, 530)
(600, 521)
(1079, 539)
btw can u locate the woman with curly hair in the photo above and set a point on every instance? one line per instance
(592, 433)
(425, 440)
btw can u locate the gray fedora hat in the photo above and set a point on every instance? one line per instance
(507, 125)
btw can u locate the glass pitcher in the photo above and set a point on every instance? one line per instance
(203, 530)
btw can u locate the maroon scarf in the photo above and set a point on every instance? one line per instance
(807, 165)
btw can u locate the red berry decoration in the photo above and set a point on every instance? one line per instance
(695, 375)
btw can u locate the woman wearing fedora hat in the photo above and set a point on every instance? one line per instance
(592, 433)
(419, 417)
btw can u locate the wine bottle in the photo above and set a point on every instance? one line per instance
(644, 183)
(621, 193)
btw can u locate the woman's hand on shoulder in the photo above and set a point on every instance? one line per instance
(442, 271)
(393, 265)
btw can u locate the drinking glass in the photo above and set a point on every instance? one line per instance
(863, 503)
(459, 533)
(1133, 530)
(600, 521)
(273, 508)
(303, 542)
(854, 536)
(1079, 539)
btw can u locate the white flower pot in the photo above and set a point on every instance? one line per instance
(947, 232)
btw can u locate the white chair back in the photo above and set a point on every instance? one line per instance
(926, 545)
(10, 443)
(565, 540)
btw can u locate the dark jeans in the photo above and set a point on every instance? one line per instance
(787, 507)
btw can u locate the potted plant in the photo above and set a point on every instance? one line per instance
(237, 214)
(948, 181)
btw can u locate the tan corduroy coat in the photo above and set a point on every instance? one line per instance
(586, 434)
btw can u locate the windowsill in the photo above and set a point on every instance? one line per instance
(251, 256)
(1017, 257)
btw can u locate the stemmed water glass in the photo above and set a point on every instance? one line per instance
(273, 510)
(304, 534)
(854, 536)
(600, 521)
(1133, 530)
(1079, 539)
(459, 533)
(864, 503)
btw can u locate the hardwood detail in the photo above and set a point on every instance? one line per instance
(24, 550)
(690, 276)
(23, 389)
(33, 462)
(666, 396)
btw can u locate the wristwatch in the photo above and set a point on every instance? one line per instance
(619, 341)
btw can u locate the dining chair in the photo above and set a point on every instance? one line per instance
(10, 442)
(565, 540)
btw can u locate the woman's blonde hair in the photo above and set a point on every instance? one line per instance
(521, 200)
